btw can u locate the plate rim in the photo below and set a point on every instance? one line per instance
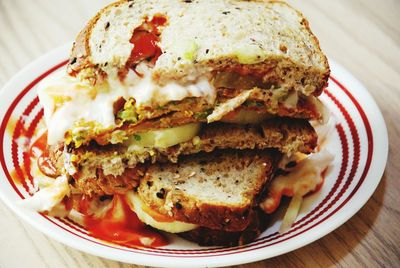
(258, 254)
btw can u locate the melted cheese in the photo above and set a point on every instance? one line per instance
(170, 226)
(301, 180)
(67, 101)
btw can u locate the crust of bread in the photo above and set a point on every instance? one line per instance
(327, 73)
(177, 190)
(80, 63)
(208, 237)
(103, 184)
(274, 67)
(284, 134)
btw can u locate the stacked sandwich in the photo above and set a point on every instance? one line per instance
(186, 107)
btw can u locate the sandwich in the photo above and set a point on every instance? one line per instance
(188, 111)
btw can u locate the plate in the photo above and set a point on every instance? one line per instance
(358, 140)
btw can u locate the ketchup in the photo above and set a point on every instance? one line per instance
(120, 225)
(145, 39)
(40, 144)
(17, 178)
(39, 148)
(145, 47)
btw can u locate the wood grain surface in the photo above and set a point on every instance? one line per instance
(362, 35)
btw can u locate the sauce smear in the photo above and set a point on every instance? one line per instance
(35, 152)
(39, 150)
(120, 225)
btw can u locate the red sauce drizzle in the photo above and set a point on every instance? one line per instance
(17, 179)
(120, 225)
(145, 39)
(37, 150)
(39, 147)
(39, 144)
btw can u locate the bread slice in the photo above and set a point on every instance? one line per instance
(218, 191)
(284, 134)
(109, 169)
(263, 38)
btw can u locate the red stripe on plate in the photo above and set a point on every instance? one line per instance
(7, 118)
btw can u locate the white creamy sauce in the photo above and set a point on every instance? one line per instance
(146, 92)
(49, 196)
(301, 180)
(292, 100)
(174, 91)
(67, 100)
(99, 110)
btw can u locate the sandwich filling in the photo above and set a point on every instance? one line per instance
(183, 126)
(77, 112)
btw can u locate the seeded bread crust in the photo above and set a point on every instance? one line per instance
(109, 184)
(80, 62)
(208, 237)
(278, 42)
(218, 191)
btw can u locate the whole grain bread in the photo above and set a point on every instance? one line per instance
(108, 169)
(218, 191)
(284, 134)
(267, 38)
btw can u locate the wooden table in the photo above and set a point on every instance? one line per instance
(362, 35)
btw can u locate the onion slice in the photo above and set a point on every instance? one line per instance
(291, 213)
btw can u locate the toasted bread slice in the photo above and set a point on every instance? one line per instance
(284, 134)
(218, 191)
(108, 169)
(268, 39)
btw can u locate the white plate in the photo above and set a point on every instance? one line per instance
(359, 142)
